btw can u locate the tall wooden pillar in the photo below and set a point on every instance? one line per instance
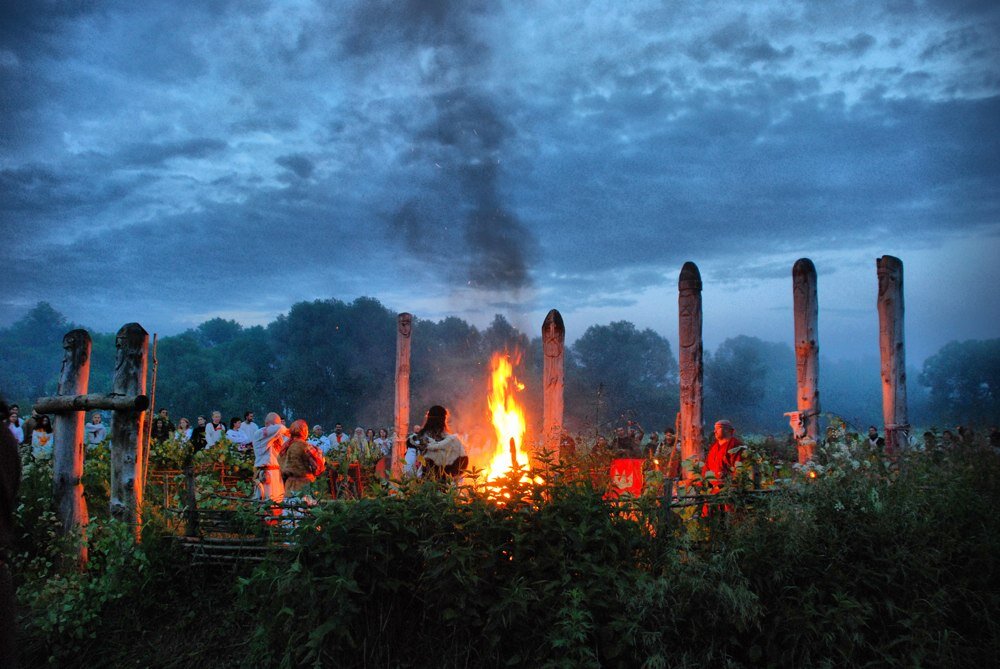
(806, 304)
(893, 352)
(127, 426)
(691, 363)
(553, 379)
(404, 328)
(67, 450)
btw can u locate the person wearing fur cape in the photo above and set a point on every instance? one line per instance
(443, 453)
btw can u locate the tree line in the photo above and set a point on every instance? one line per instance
(333, 361)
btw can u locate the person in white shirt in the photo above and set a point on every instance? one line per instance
(268, 443)
(16, 426)
(339, 437)
(214, 430)
(249, 427)
(238, 437)
(183, 431)
(319, 440)
(95, 430)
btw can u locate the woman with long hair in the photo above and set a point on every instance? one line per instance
(183, 431)
(443, 452)
(41, 438)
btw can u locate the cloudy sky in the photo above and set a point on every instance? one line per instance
(170, 162)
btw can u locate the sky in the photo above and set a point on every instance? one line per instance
(172, 162)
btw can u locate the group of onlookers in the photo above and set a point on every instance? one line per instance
(34, 431)
(364, 444)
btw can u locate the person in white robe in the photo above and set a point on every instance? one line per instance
(268, 443)
(238, 437)
(214, 430)
(319, 440)
(94, 431)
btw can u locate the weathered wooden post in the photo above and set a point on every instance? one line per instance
(893, 352)
(553, 379)
(404, 328)
(806, 305)
(127, 426)
(67, 451)
(691, 364)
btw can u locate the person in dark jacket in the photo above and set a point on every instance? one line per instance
(10, 481)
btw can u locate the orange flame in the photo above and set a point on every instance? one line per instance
(507, 415)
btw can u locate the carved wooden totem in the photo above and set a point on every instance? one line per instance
(806, 304)
(404, 328)
(553, 379)
(67, 451)
(127, 426)
(691, 366)
(893, 352)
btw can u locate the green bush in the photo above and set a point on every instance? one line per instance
(877, 564)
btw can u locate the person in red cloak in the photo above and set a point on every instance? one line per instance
(723, 455)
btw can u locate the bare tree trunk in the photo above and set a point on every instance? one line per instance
(404, 328)
(804, 295)
(893, 352)
(127, 427)
(553, 380)
(67, 450)
(691, 363)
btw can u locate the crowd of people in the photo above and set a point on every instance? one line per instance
(299, 452)
(287, 458)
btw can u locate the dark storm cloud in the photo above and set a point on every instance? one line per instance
(968, 40)
(411, 23)
(739, 41)
(301, 166)
(855, 47)
(581, 152)
(152, 154)
(822, 172)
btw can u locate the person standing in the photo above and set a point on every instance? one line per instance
(95, 430)
(159, 430)
(874, 440)
(267, 444)
(16, 425)
(183, 431)
(669, 455)
(214, 430)
(198, 435)
(300, 461)
(249, 427)
(29, 426)
(443, 451)
(724, 453)
(319, 440)
(339, 438)
(41, 438)
(10, 481)
(237, 436)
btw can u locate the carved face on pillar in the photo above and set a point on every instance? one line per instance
(551, 343)
(686, 323)
(405, 325)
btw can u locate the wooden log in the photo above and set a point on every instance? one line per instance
(67, 449)
(96, 401)
(553, 379)
(404, 328)
(127, 426)
(806, 305)
(690, 353)
(893, 352)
